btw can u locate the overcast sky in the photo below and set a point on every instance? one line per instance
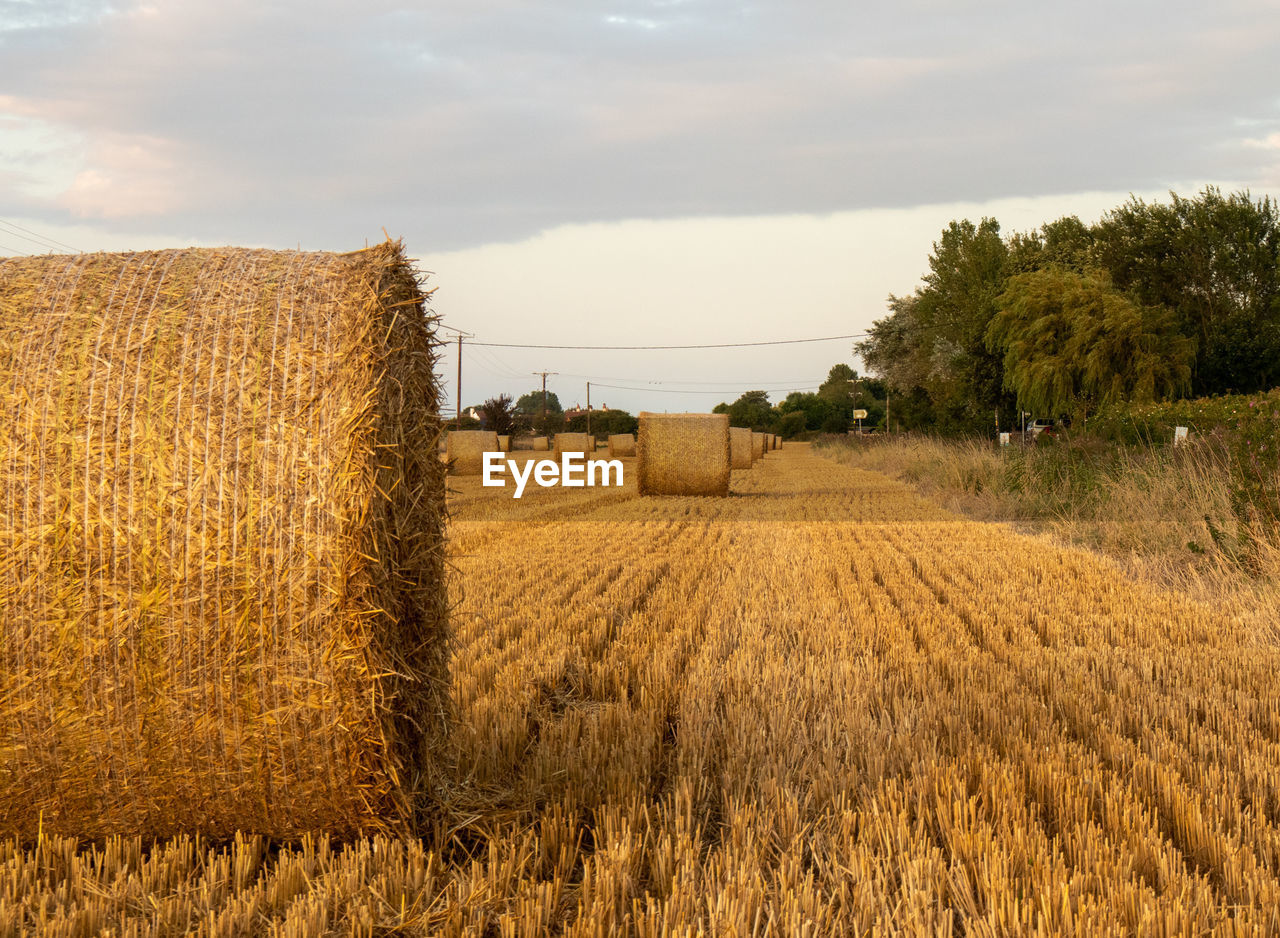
(630, 172)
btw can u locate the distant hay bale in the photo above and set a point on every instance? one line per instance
(622, 444)
(757, 446)
(467, 449)
(541, 444)
(575, 443)
(683, 454)
(504, 443)
(221, 548)
(740, 448)
(774, 442)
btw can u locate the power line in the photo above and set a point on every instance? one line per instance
(5, 247)
(640, 348)
(738, 389)
(16, 229)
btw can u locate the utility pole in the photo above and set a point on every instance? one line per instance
(457, 425)
(588, 408)
(544, 391)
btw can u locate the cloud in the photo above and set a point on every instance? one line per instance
(320, 123)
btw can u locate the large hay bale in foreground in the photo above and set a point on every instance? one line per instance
(622, 444)
(221, 556)
(757, 446)
(583, 443)
(683, 454)
(467, 449)
(740, 448)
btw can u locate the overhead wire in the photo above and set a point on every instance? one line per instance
(26, 234)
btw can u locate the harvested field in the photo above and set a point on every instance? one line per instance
(822, 706)
(221, 579)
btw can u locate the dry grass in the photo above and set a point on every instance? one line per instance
(740, 448)
(622, 444)
(683, 454)
(865, 716)
(467, 448)
(221, 570)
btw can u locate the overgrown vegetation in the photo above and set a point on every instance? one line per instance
(1154, 301)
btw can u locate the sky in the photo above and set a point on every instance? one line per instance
(623, 172)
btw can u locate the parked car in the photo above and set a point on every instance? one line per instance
(1039, 426)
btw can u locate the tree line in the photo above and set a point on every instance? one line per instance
(1155, 301)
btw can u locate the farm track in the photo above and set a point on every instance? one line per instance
(820, 706)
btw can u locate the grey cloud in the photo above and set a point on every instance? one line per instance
(490, 120)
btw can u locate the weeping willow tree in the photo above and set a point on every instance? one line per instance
(1071, 342)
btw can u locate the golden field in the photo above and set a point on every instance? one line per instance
(822, 705)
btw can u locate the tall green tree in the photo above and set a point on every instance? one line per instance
(1212, 260)
(1071, 342)
(752, 409)
(932, 346)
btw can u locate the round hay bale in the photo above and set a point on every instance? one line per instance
(683, 454)
(757, 446)
(222, 572)
(467, 449)
(622, 444)
(583, 443)
(541, 444)
(740, 448)
(504, 443)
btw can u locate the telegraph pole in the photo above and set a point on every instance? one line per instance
(588, 407)
(457, 424)
(544, 391)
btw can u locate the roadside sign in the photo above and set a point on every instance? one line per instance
(859, 415)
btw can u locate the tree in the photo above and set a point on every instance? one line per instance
(752, 410)
(530, 405)
(815, 410)
(529, 412)
(1071, 342)
(934, 341)
(496, 414)
(604, 422)
(1212, 260)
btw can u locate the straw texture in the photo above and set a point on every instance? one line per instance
(467, 449)
(541, 444)
(221, 555)
(740, 448)
(757, 446)
(504, 443)
(622, 444)
(575, 443)
(683, 454)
